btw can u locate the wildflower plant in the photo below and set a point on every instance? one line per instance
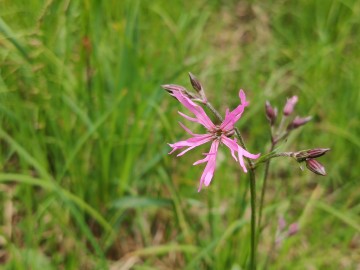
(226, 134)
(216, 134)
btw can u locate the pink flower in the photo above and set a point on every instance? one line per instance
(217, 134)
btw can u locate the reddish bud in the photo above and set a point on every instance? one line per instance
(293, 229)
(271, 113)
(290, 104)
(310, 153)
(298, 122)
(315, 166)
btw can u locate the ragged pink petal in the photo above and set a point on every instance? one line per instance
(232, 117)
(227, 112)
(188, 117)
(188, 130)
(242, 97)
(191, 143)
(249, 155)
(195, 109)
(204, 159)
(241, 159)
(192, 147)
(174, 148)
(241, 153)
(234, 147)
(201, 161)
(208, 173)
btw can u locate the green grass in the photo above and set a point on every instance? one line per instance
(85, 179)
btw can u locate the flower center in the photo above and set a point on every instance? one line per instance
(218, 132)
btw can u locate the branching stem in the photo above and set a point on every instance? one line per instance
(252, 191)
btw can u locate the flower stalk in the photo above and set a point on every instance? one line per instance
(307, 156)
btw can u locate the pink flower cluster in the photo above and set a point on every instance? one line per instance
(216, 134)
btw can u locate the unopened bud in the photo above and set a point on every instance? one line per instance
(310, 153)
(290, 104)
(271, 113)
(298, 122)
(198, 87)
(315, 166)
(171, 88)
(195, 82)
(293, 229)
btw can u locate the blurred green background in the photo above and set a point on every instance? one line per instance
(86, 182)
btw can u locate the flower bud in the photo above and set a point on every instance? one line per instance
(315, 166)
(290, 104)
(195, 82)
(298, 122)
(293, 229)
(310, 153)
(271, 113)
(198, 87)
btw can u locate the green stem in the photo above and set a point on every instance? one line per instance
(266, 172)
(274, 141)
(252, 203)
(252, 191)
(266, 157)
(253, 219)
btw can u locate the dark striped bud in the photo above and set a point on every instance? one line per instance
(310, 153)
(195, 82)
(198, 87)
(315, 166)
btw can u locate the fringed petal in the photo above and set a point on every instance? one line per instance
(234, 147)
(209, 170)
(232, 117)
(188, 117)
(195, 109)
(191, 143)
